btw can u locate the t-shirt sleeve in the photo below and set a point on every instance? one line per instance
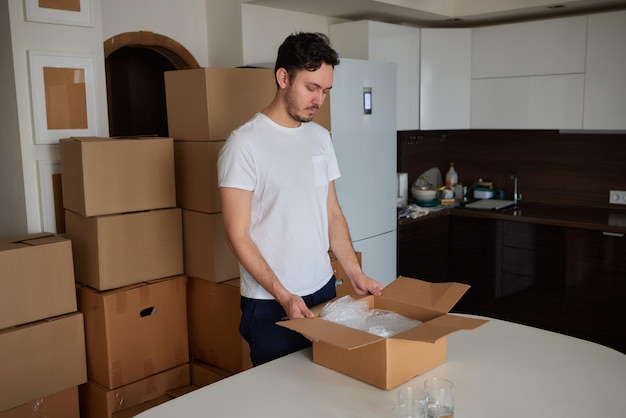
(235, 165)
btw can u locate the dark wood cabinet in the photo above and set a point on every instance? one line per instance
(573, 281)
(531, 275)
(563, 279)
(423, 249)
(594, 298)
(473, 260)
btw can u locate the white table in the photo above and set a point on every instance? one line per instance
(500, 370)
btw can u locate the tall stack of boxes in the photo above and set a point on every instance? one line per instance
(126, 231)
(141, 298)
(42, 340)
(203, 106)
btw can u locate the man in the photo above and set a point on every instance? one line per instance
(281, 213)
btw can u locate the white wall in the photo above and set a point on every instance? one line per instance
(219, 33)
(26, 36)
(184, 21)
(224, 32)
(265, 28)
(13, 205)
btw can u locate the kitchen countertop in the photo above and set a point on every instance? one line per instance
(604, 220)
(499, 369)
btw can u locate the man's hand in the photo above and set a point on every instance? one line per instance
(295, 307)
(364, 285)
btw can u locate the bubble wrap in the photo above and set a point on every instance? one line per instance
(356, 314)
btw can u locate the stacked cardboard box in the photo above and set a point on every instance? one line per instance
(343, 285)
(63, 404)
(119, 197)
(42, 340)
(204, 105)
(213, 319)
(203, 374)
(120, 210)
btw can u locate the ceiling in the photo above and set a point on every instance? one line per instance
(444, 13)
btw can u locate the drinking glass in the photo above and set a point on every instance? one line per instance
(412, 403)
(440, 398)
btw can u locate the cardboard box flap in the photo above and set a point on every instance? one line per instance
(439, 327)
(86, 139)
(111, 139)
(440, 297)
(47, 239)
(330, 332)
(29, 239)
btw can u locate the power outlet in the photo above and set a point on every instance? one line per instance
(617, 197)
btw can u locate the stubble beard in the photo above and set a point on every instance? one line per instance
(290, 104)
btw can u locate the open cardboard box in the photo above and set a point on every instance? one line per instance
(389, 362)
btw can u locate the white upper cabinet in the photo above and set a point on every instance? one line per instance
(555, 46)
(529, 75)
(377, 41)
(535, 102)
(445, 70)
(605, 76)
(564, 73)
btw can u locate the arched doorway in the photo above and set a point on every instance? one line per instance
(135, 63)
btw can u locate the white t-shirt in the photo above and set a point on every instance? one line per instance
(288, 171)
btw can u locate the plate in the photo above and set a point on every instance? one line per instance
(428, 203)
(433, 176)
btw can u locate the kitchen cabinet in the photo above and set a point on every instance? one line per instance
(378, 41)
(529, 75)
(433, 65)
(472, 260)
(530, 273)
(423, 248)
(593, 299)
(605, 76)
(568, 280)
(445, 78)
(575, 284)
(534, 102)
(553, 46)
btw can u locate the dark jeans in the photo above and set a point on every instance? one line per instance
(267, 340)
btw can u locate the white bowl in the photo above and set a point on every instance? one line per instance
(423, 195)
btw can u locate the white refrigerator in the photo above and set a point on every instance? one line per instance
(363, 128)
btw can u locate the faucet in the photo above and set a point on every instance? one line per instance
(516, 196)
(468, 189)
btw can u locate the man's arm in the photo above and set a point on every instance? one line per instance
(341, 244)
(236, 210)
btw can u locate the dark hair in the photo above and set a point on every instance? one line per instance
(305, 51)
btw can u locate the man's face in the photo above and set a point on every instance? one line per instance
(305, 93)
